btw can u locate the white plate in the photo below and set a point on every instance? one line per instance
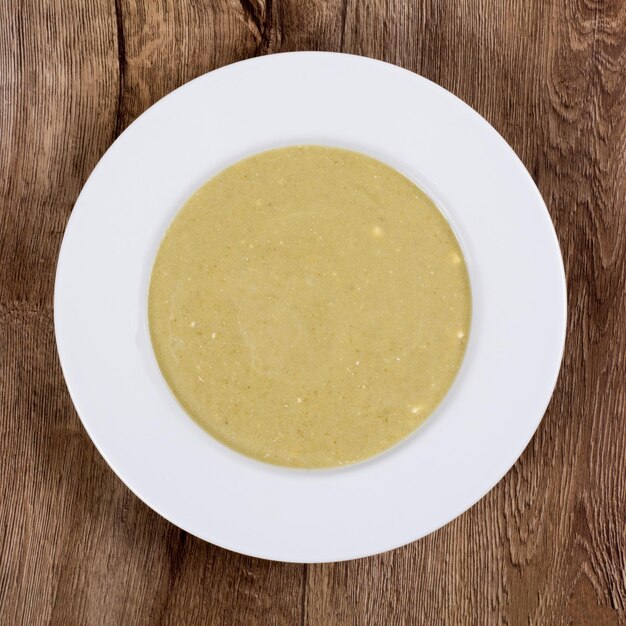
(519, 307)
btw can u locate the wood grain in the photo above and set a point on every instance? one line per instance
(546, 546)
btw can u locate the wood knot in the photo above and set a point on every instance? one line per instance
(262, 20)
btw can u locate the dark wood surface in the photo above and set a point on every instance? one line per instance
(546, 546)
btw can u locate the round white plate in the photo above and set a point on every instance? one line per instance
(514, 352)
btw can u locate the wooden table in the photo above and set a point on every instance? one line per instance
(546, 546)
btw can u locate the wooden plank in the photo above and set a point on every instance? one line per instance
(545, 547)
(76, 546)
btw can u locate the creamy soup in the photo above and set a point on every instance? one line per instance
(309, 306)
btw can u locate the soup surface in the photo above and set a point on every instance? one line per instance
(309, 306)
